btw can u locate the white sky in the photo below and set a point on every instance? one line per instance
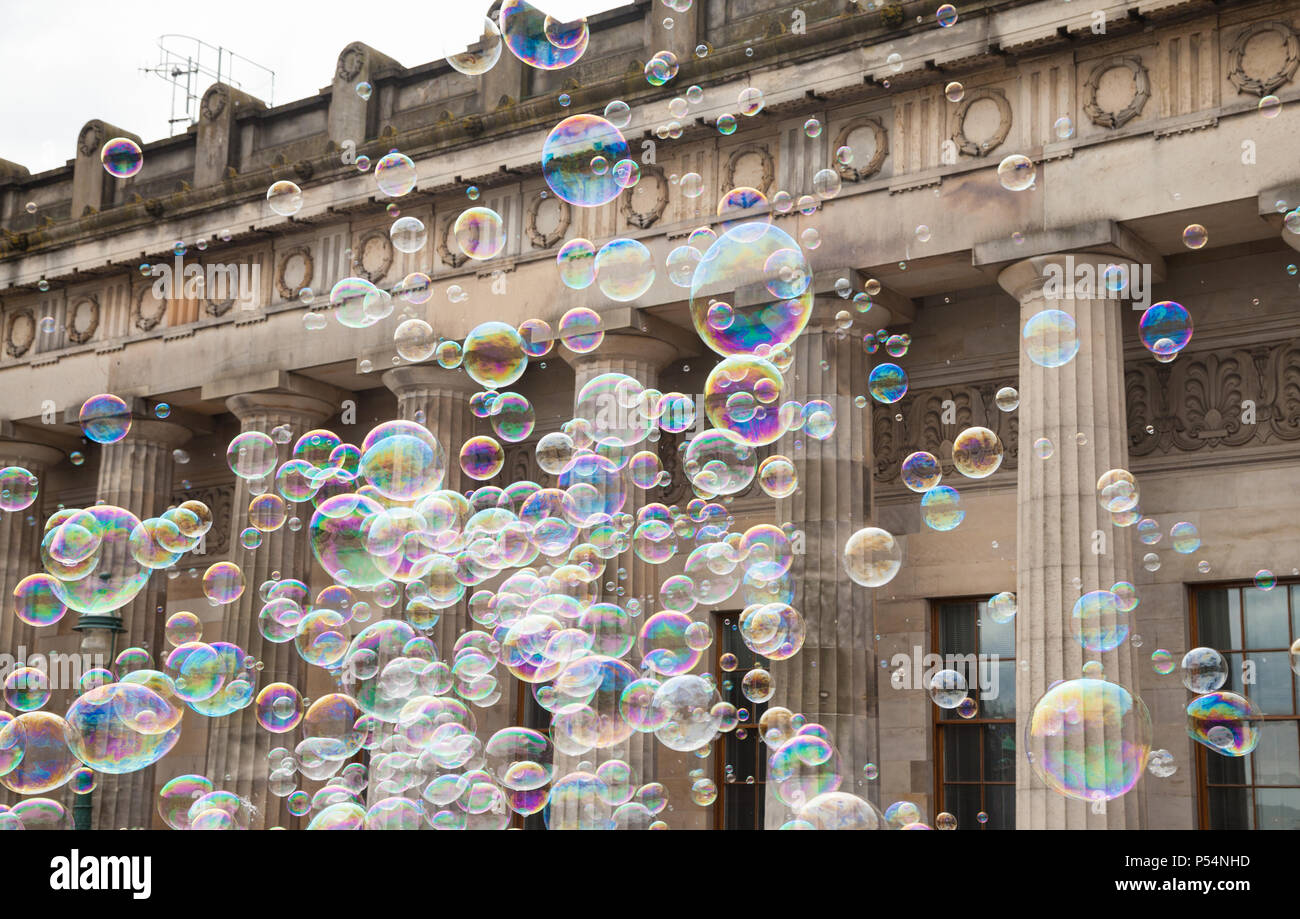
(69, 61)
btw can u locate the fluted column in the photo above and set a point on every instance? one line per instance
(828, 680)
(438, 399)
(237, 745)
(136, 474)
(1079, 407)
(641, 358)
(19, 551)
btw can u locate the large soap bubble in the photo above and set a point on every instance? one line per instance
(1089, 739)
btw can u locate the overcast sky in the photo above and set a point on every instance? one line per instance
(73, 60)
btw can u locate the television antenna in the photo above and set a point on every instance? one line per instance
(190, 65)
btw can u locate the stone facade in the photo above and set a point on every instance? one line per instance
(1166, 132)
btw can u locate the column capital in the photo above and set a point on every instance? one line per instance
(1026, 279)
(28, 454)
(1103, 239)
(154, 431)
(624, 347)
(251, 406)
(428, 378)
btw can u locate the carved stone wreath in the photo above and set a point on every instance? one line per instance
(385, 249)
(147, 320)
(22, 332)
(733, 163)
(858, 173)
(539, 239)
(218, 308)
(965, 144)
(643, 219)
(1237, 56)
(350, 62)
(1141, 91)
(449, 257)
(308, 270)
(214, 103)
(91, 138)
(81, 336)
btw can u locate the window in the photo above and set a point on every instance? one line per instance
(741, 787)
(975, 758)
(1253, 629)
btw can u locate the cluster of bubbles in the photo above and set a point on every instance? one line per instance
(541, 568)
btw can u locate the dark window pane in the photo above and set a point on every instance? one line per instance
(1279, 808)
(961, 753)
(1277, 758)
(1000, 805)
(1234, 673)
(1230, 809)
(996, 638)
(742, 754)
(957, 633)
(963, 802)
(1295, 611)
(1000, 700)
(1271, 691)
(999, 752)
(740, 806)
(1226, 770)
(1217, 626)
(1266, 618)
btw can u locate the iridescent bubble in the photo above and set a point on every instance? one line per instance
(122, 157)
(117, 576)
(740, 396)
(1002, 607)
(284, 198)
(1117, 490)
(1165, 328)
(947, 688)
(105, 418)
(479, 57)
(540, 40)
(1097, 622)
(661, 68)
(18, 488)
(402, 460)
(408, 234)
(1195, 236)
(624, 269)
(1051, 338)
(480, 233)
(1184, 538)
(279, 708)
(1162, 661)
(395, 174)
(181, 628)
(777, 477)
(26, 689)
(571, 154)
(946, 16)
(1063, 127)
(223, 583)
(1265, 579)
(1016, 172)
(1007, 399)
(358, 303)
(1227, 723)
(941, 508)
(415, 340)
(619, 114)
(681, 264)
(577, 263)
(977, 453)
(1203, 670)
(717, 463)
(1089, 739)
(741, 206)
(481, 457)
(887, 383)
(493, 355)
(872, 557)
(38, 741)
(921, 471)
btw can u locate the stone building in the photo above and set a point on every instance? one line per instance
(1165, 130)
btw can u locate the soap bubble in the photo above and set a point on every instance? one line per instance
(1051, 338)
(624, 269)
(887, 383)
(105, 418)
(570, 157)
(284, 198)
(1016, 172)
(395, 174)
(493, 355)
(941, 508)
(872, 557)
(921, 471)
(479, 57)
(977, 453)
(122, 157)
(480, 233)
(1227, 723)
(1089, 739)
(577, 263)
(1002, 607)
(18, 489)
(947, 688)
(1097, 622)
(1203, 670)
(1165, 328)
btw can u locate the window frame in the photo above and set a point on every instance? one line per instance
(938, 722)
